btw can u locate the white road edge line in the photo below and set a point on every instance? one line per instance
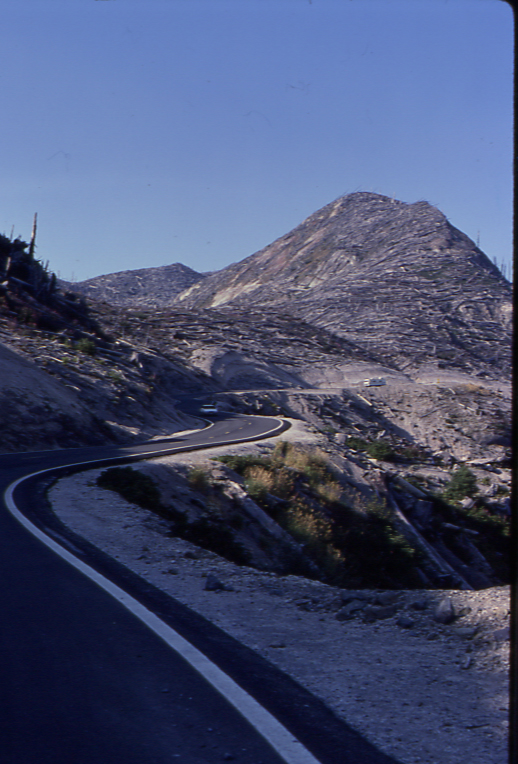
(282, 741)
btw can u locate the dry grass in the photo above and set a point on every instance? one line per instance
(305, 525)
(331, 492)
(348, 535)
(261, 476)
(198, 480)
(471, 387)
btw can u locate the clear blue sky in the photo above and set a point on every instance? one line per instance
(148, 132)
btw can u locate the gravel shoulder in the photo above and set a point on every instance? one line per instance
(430, 693)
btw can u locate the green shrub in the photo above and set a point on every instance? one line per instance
(315, 467)
(27, 316)
(358, 444)
(132, 485)
(86, 346)
(198, 480)
(115, 376)
(493, 539)
(214, 536)
(410, 453)
(328, 430)
(240, 463)
(380, 450)
(418, 481)
(375, 553)
(463, 483)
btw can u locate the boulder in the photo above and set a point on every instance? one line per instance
(378, 612)
(213, 584)
(405, 622)
(444, 612)
(467, 632)
(350, 610)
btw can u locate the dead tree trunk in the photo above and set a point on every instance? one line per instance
(33, 236)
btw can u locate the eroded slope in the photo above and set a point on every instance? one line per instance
(396, 279)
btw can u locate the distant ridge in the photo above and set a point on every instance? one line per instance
(395, 280)
(145, 287)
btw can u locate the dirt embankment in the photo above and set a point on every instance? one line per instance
(57, 393)
(423, 674)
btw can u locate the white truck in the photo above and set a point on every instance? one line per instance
(374, 382)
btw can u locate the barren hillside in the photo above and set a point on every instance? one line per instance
(145, 287)
(396, 279)
(78, 371)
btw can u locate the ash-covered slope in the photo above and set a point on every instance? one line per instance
(66, 379)
(147, 287)
(397, 279)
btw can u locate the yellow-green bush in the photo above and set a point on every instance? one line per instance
(198, 480)
(350, 538)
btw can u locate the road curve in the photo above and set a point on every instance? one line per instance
(105, 668)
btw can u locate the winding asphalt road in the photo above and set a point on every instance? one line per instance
(97, 666)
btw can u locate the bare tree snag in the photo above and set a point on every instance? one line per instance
(33, 236)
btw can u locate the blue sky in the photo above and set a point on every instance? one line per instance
(148, 132)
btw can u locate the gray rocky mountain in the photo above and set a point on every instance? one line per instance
(395, 279)
(299, 344)
(147, 287)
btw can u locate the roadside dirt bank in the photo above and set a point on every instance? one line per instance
(425, 693)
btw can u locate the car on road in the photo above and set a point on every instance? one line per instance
(374, 382)
(209, 408)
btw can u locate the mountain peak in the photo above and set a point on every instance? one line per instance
(397, 277)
